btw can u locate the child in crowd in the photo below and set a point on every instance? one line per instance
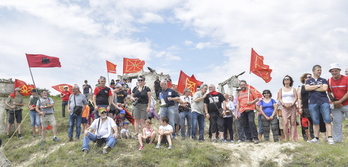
(165, 130)
(84, 118)
(125, 131)
(91, 116)
(119, 119)
(148, 135)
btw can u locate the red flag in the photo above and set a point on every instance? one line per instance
(40, 60)
(258, 68)
(254, 91)
(199, 83)
(132, 65)
(60, 87)
(111, 68)
(186, 82)
(169, 85)
(25, 88)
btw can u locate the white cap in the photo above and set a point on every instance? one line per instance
(334, 65)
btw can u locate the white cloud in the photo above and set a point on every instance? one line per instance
(202, 45)
(187, 42)
(291, 35)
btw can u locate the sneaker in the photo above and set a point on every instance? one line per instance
(33, 136)
(158, 146)
(170, 147)
(256, 141)
(330, 141)
(141, 147)
(239, 141)
(214, 140)
(105, 150)
(70, 139)
(55, 139)
(314, 140)
(222, 141)
(232, 141)
(85, 152)
(19, 136)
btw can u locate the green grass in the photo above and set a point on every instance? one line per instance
(125, 153)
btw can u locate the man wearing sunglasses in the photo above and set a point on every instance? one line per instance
(105, 130)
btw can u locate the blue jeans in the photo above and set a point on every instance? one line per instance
(170, 113)
(64, 104)
(110, 141)
(187, 115)
(317, 109)
(73, 118)
(96, 112)
(34, 119)
(196, 117)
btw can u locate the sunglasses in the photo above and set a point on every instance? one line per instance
(103, 112)
(266, 93)
(140, 80)
(286, 79)
(308, 77)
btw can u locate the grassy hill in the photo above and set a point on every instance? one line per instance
(28, 152)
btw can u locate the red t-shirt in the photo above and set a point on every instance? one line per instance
(339, 87)
(65, 95)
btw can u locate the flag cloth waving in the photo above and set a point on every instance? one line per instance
(60, 87)
(25, 88)
(40, 60)
(186, 82)
(199, 83)
(111, 68)
(258, 68)
(132, 65)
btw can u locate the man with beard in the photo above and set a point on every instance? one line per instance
(246, 105)
(44, 107)
(212, 105)
(105, 130)
(198, 112)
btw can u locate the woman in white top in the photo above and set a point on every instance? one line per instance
(288, 98)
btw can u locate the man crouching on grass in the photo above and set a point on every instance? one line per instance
(105, 130)
(164, 131)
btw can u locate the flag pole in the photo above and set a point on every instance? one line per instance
(249, 87)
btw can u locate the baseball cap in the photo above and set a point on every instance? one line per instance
(122, 112)
(125, 123)
(101, 109)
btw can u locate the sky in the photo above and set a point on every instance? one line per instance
(210, 39)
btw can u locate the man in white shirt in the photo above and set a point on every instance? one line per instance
(105, 129)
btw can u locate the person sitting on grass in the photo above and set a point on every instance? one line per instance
(148, 135)
(119, 119)
(125, 130)
(105, 131)
(164, 131)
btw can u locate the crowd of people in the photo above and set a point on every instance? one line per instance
(102, 112)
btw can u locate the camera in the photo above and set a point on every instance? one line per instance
(135, 102)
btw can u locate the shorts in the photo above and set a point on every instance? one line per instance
(320, 108)
(84, 120)
(281, 124)
(216, 122)
(139, 111)
(12, 115)
(48, 119)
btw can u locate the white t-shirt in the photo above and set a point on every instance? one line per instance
(105, 128)
(166, 128)
(123, 131)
